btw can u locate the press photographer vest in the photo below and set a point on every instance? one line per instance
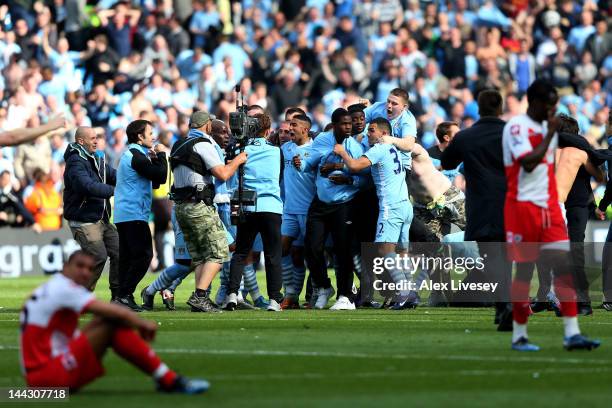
(183, 154)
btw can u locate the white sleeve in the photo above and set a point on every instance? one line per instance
(209, 154)
(517, 140)
(74, 296)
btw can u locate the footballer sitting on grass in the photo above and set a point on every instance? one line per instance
(55, 353)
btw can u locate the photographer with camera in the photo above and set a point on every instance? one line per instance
(262, 175)
(194, 163)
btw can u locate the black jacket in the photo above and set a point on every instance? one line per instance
(11, 204)
(88, 186)
(480, 150)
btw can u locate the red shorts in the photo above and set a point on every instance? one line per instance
(530, 228)
(73, 369)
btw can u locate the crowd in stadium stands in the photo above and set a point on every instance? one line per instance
(105, 63)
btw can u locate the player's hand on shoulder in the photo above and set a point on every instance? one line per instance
(386, 139)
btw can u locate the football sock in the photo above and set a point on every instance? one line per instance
(564, 286)
(250, 282)
(287, 264)
(175, 284)
(520, 301)
(167, 277)
(224, 275)
(570, 326)
(129, 345)
(299, 274)
(357, 265)
(398, 275)
(518, 330)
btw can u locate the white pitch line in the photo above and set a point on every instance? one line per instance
(394, 356)
(535, 373)
(298, 319)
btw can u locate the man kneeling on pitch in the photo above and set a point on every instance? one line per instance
(55, 353)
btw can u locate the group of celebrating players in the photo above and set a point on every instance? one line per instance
(366, 179)
(363, 179)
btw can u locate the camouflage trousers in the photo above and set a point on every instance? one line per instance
(449, 210)
(203, 232)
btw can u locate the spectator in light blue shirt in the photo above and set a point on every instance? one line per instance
(190, 63)
(183, 98)
(379, 44)
(240, 59)
(490, 16)
(158, 93)
(53, 86)
(578, 35)
(205, 16)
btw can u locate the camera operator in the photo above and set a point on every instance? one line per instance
(261, 174)
(194, 163)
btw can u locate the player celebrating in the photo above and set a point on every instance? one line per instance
(395, 110)
(54, 353)
(532, 214)
(299, 192)
(395, 210)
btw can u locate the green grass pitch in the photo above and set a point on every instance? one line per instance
(422, 357)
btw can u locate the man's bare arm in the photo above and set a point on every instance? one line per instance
(405, 144)
(223, 173)
(595, 171)
(24, 135)
(124, 316)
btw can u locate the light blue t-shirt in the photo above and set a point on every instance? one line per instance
(299, 186)
(365, 143)
(388, 175)
(262, 174)
(320, 153)
(221, 191)
(238, 55)
(578, 36)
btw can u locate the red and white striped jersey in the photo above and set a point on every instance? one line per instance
(49, 320)
(521, 135)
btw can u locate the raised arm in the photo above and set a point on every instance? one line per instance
(24, 135)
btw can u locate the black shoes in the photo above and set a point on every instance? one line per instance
(505, 320)
(585, 309)
(129, 302)
(147, 300)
